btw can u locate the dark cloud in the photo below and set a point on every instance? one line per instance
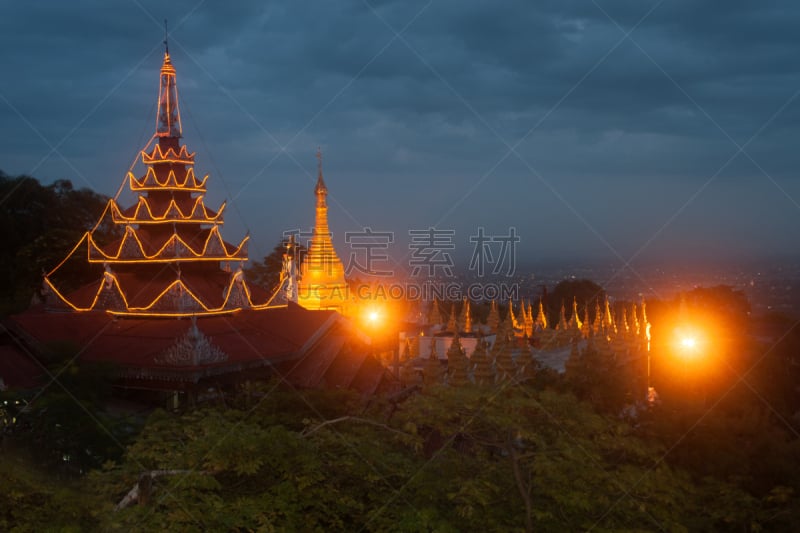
(616, 133)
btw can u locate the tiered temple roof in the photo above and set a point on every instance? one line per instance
(169, 259)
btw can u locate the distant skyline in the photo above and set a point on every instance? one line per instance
(606, 131)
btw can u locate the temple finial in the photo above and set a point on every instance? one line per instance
(168, 119)
(166, 38)
(320, 182)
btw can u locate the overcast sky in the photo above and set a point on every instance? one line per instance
(611, 130)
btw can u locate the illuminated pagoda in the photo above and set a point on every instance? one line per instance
(322, 283)
(167, 262)
(171, 313)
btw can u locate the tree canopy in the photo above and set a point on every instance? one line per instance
(498, 458)
(585, 292)
(267, 272)
(40, 225)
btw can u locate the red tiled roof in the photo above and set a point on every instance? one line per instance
(244, 336)
(310, 369)
(309, 348)
(337, 365)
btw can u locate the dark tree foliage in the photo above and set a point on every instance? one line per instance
(495, 458)
(479, 311)
(34, 500)
(267, 272)
(599, 379)
(66, 427)
(584, 291)
(776, 375)
(40, 225)
(729, 306)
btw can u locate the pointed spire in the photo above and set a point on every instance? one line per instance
(166, 37)
(562, 318)
(321, 188)
(575, 319)
(608, 317)
(597, 325)
(168, 120)
(511, 319)
(452, 325)
(635, 320)
(467, 316)
(322, 281)
(541, 318)
(529, 322)
(435, 315)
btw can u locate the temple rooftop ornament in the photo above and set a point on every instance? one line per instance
(192, 349)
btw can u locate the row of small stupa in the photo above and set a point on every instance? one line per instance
(511, 357)
(524, 323)
(505, 360)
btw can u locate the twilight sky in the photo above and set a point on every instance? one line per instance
(608, 130)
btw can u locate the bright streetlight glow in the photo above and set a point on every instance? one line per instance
(690, 343)
(374, 317)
